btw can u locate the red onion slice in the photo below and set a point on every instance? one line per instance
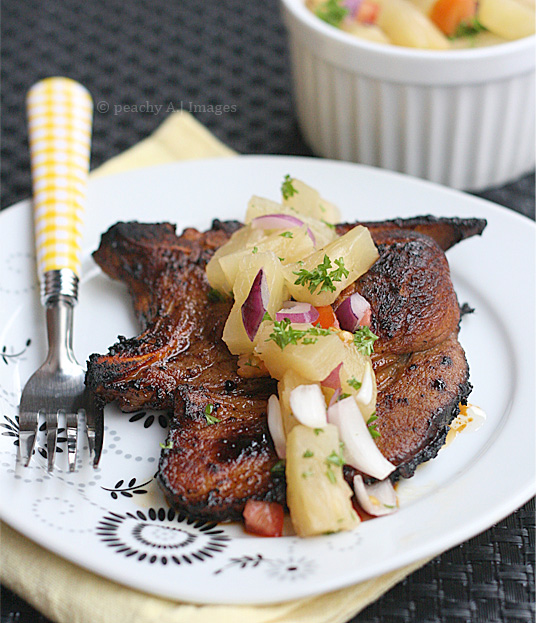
(297, 312)
(376, 499)
(255, 305)
(353, 312)
(280, 221)
(335, 397)
(333, 379)
(275, 426)
(359, 450)
(352, 6)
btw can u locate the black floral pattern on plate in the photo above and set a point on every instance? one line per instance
(291, 568)
(149, 419)
(128, 490)
(11, 426)
(9, 357)
(161, 536)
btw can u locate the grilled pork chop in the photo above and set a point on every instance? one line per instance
(180, 363)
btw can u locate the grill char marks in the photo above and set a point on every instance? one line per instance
(136, 253)
(181, 342)
(213, 469)
(426, 382)
(412, 299)
(445, 231)
(180, 363)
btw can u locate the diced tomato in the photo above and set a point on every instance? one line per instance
(368, 12)
(264, 518)
(327, 318)
(447, 15)
(367, 317)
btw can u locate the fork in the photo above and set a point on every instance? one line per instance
(59, 122)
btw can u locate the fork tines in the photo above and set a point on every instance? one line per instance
(29, 427)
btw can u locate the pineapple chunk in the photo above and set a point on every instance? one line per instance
(313, 361)
(511, 19)
(405, 25)
(258, 206)
(244, 238)
(358, 252)
(290, 381)
(307, 201)
(318, 497)
(290, 247)
(234, 333)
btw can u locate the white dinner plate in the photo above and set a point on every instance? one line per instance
(114, 520)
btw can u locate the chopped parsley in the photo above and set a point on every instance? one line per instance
(284, 334)
(279, 467)
(266, 317)
(287, 234)
(214, 296)
(332, 12)
(343, 396)
(307, 474)
(374, 432)
(353, 382)
(308, 454)
(287, 189)
(210, 418)
(330, 225)
(167, 446)
(335, 458)
(320, 276)
(364, 340)
(317, 431)
(468, 28)
(255, 249)
(331, 476)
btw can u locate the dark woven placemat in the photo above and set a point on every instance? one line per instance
(202, 55)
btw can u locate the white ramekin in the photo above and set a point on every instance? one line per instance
(463, 118)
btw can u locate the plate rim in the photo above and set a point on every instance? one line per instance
(522, 495)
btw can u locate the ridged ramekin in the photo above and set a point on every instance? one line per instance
(462, 118)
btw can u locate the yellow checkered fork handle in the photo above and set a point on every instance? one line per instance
(60, 113)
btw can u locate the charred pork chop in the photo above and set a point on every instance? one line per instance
(179, 362)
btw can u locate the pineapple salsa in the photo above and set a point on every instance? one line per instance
(284, 269)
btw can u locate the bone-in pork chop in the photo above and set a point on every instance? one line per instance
(179, 362)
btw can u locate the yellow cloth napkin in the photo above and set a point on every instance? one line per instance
(69, 594)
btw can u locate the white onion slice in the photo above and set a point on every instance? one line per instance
(280, 221)
(376, 499)
(275, 426)
(359, 450)
(353, 312)
(308, 405)
(366, 391)
(297, 312)
(333, 379)
(255, 305)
